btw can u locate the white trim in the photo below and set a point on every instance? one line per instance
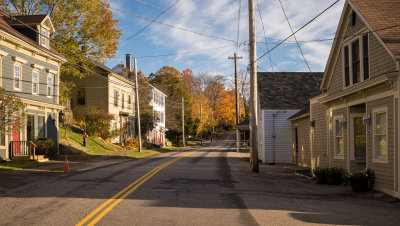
(19, 59)
(2, 53)
(51, 71)
(37, 66)
(335, 155)
(37, 84)
(364, 100)
(380, 159)
(51, 85)
(20, 76)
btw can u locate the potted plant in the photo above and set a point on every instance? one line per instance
(320, 175)
(334, 176)
(361, 181)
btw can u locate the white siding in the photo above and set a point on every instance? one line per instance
(277, 149)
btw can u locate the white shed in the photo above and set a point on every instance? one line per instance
(281, 95)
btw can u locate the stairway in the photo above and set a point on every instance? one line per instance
(39, 158)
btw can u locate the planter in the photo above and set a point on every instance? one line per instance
(321, 179)
(334, 180)
(359, 186)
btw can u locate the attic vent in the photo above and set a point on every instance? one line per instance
(352, 20)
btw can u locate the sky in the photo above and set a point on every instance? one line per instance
(217, 20)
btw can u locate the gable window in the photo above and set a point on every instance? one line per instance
(365, 56)
(49, 85)
(116, 98)
(339, 142)
(35, 82)
(380, 135)
(81, 96)
(123, 100)
(355, 60)
(17, 77)
(352, 19)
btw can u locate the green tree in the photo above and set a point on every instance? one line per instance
(12, 112)
(168, 80)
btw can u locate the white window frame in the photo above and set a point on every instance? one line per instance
(115, 98)
(20, 76)
(347, 44)
(44, 37)
(122, 100)
(375, 158)
(37, 82)
(336, 155)
(48, 91)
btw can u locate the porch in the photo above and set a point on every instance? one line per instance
(25, 150)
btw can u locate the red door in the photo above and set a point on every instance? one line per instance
(15, 137)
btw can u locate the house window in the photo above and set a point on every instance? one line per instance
(365, 56)
(116, 98)
(346, 66)
(43, 38)
(17, 76)
(123, 100)
(356, 55)
(352, 19)
(35, 82)
(129, 101)
(355, 60)
(49, 85)
(81, 96)
(339, 143)
(380, 134)
(30, 127)
(41, 126)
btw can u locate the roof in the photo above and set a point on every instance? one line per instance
(29, 19)
(245, 125)
(384, 18)
(287, 90)
(303, 112)
(4, 26)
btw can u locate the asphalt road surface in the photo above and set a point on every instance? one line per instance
(203, 186)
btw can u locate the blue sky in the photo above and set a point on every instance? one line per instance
(220, 18)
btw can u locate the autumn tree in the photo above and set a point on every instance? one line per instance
(12, 112)
(168, 80)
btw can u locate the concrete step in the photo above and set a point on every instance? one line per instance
(40, 158)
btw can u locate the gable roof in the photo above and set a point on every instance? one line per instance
(304, 112)
(6, 27)
(381, 16)
(384, 18)
(287, 90)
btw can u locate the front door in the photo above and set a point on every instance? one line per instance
(358, 142)
(16, 138)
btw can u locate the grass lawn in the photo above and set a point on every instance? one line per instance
(16, 165)
(94, 146)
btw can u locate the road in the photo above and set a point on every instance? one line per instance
(203, 186)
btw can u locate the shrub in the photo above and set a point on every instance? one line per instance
(46, 147)
(132, 143)
(98, 121)
(334, 172)
(366, 174)
(319, 171)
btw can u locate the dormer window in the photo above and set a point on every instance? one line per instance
(44, 37)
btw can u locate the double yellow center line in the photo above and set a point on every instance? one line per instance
(112, 202)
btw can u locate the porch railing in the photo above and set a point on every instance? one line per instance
(23, 149)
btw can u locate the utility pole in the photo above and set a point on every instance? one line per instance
(237, 101)
(201, 124)
(183, 122)
(137, 108)
(253, 91)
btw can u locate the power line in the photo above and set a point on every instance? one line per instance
(306, 24)
(168, 25)
(265, 36)
(148, 25)
(294, 36)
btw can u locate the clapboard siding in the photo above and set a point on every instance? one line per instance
(7, 68)
(319, 136)
(278, 149)
(380, 60)
(303, 134)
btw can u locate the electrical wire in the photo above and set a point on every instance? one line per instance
(165, 24)
(265, 36)
(151, 22)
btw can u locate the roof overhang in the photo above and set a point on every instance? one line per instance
(371, 83)
(305, 115)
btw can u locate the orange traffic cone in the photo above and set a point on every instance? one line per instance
(66, 165)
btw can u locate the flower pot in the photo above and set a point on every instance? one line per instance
(321, 179)
(334, 180)
(359, 186)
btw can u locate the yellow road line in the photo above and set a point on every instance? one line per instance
(118, 199)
